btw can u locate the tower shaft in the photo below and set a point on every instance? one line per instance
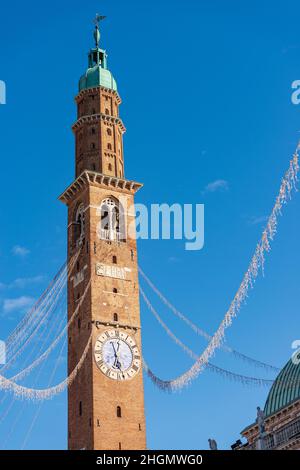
(106, 399)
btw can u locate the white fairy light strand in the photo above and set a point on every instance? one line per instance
(33, 317)
(43, 315)
(203, 333)
(32, 353)
(38, 411)
(25, 320)
(46, 393)
(23, 373)
(40, 315)
(257, 263)
(21, 410)
(38, 312)
(245, 380)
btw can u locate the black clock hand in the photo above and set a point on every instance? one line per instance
(115, 353)
(117, 362)
(113, 346)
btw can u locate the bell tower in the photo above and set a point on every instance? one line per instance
(106, 399)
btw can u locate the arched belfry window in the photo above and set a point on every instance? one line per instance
(79, 225)
(112, 220)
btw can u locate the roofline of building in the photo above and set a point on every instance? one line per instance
(253, 425)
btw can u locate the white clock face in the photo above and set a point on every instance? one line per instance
(117, 355)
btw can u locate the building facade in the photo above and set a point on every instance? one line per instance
(106, 400)
(278, 426)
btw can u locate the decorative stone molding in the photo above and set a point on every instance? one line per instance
(88, 91)
(94, 118)
(98, 179)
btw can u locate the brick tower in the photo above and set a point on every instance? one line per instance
(106, 400)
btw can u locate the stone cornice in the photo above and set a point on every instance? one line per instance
(97, 179)
(272, 420)
(87, 91)
(94, 118)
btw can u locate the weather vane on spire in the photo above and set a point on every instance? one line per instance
(97, 20)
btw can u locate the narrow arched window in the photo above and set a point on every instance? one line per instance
(116, 317)
(109, 131)
(107, 111)
(119, 412)
(114, 260)
(109, 167)
(79, 225)
(112, 220)
(93, 131)
(115, 291)
(80, 408)
(92, 145)
(109, 146)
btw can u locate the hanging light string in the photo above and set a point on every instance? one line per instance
(42, 339)
(46, 393)
(43, 316)
(27, 318)
(245, 380)
(37, 313)
(38, 411)
(23, 373)
(46, 312)
(203, 333)
(23, 406)
(288, 184)
(40, 315)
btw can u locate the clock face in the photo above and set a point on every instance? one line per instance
(117, 355)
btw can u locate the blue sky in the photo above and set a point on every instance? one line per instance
(206, 89)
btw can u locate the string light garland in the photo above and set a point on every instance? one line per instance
(203, 333)
(37, 413)
(245, 380)
(288, 184)
(28, 323)
(39, 345)
(256, 265)
(23, 373)
(26, 320)
(46, 393)
(43, 313)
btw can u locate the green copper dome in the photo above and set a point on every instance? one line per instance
(286, 388)
(97, 76)
(97, 73)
